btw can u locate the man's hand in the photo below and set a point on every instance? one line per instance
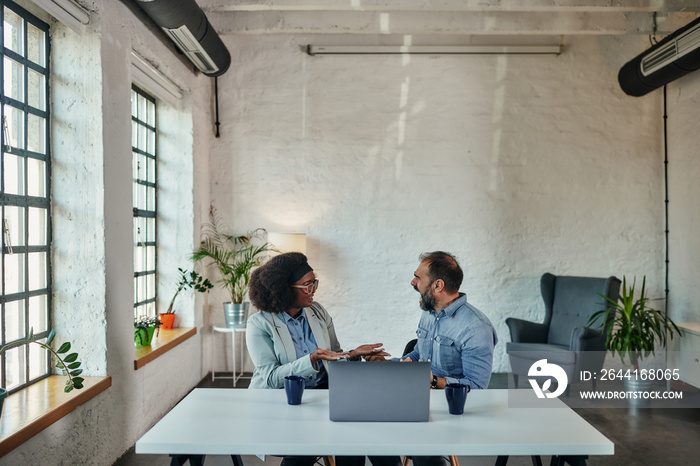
(441, 382)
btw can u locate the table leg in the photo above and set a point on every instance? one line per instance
(180, 460)
(501, 461)
(233, 354)
(213, 377)
(578, 460)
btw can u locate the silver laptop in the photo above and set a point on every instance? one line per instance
(379, 391)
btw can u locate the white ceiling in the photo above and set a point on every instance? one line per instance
(449, 21)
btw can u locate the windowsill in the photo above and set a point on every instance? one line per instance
(164, 342)
(33, 409)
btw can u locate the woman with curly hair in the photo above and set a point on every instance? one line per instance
(292, 335)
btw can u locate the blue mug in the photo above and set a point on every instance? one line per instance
(294, 387)
(456, 394)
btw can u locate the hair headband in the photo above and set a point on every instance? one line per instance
(302, 270)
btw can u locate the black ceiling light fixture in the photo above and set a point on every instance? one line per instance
(669, 59)
(187, 25)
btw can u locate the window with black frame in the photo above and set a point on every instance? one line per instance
(143, 142)
(25, 276)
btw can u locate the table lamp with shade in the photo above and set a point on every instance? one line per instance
(287, 242)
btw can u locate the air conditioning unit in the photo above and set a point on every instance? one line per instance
(673, 57)
(187, 26)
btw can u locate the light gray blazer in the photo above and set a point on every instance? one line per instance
(271, 348)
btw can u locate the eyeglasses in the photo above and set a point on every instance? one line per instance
(308, 289)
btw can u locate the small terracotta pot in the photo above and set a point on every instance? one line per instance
(167, 321)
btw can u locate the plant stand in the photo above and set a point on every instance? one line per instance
(235, 376)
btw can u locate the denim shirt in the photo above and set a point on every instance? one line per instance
(458, 341)
(304, 344)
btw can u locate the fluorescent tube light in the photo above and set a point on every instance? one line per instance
(435, 49)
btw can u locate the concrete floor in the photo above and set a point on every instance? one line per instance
(641, 437)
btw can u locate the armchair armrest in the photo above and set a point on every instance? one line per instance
(524, 331)
(587, 339)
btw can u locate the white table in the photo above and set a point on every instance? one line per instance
(260, 422)
(233, 331)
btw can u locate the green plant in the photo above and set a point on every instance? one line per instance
(141, 326)
(233, 256)
(189, 280)
(635, 326)
(69, 363)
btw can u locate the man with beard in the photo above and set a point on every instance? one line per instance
(455, 337)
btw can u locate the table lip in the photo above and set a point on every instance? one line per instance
(158, 445)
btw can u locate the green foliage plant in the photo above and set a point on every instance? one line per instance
(144, 323)
(69, 363)
(189, 280)
(233, 256)
(636, 327)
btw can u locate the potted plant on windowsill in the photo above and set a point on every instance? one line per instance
(635, 331)
(234, 257)
(187, 280)
(69, 363)
(145, 328)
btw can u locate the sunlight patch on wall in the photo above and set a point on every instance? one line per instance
(384, 23)
(398, 165)
(407, 42)
(497, 117)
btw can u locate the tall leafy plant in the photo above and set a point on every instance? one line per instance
(189, 280)
(233, 256)
(636, 327)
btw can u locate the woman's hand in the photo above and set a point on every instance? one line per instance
(368, 351)
(321, 354)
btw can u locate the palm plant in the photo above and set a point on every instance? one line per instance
(636, 327)
(233, 256)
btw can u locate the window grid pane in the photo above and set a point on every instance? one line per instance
(143, 142)
(25, 269)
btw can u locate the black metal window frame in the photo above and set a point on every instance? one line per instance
(26, 117)
(145, 216)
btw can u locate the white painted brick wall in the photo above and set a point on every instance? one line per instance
(92, 232)
(684, 192)
(518, 165)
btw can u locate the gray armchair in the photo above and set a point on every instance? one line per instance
(564, 337)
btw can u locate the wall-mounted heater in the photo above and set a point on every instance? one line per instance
(673, 57)
(434, 49)
(187, 25)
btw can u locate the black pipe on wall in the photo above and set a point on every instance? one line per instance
(633, 81)
(186, 16)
